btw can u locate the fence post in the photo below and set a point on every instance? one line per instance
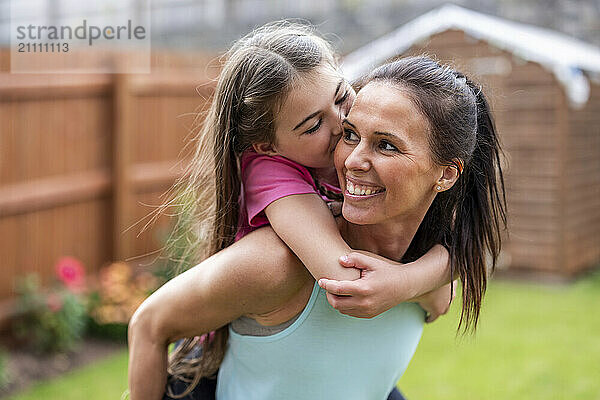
(121, 161)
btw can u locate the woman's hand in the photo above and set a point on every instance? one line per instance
(437, 302)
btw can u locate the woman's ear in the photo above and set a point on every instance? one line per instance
(265, 148)
(450, 175)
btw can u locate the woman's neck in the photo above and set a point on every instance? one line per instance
(390, 239)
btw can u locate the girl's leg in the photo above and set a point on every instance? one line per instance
(396, 395)
(205, 390)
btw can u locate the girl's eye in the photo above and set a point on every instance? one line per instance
(387, 146)
(350, 135)
(316, 127)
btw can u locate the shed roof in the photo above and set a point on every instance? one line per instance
(569, 59)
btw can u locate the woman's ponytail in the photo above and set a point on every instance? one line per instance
(479, 213)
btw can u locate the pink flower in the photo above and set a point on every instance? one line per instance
(54, 302)
(71, 272)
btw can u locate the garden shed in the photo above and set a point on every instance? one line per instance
(544, 88)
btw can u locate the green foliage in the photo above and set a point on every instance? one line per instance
(4, 378)
(119, 292)
(182, 241)
(116, 332)
(52, 321)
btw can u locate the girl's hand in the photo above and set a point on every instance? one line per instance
(384, 284)
(437, 302)
(380, 287)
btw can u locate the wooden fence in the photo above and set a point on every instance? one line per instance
(81, 158)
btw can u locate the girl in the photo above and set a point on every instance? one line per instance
(265, 156)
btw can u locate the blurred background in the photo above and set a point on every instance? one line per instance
(85, 158)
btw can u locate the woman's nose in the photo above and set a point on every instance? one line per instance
(358, 160)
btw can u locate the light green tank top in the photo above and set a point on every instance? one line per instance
(323, 355)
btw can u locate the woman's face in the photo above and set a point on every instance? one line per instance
(308, 125)
(383, 161)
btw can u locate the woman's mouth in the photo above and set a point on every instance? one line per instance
(362, 190)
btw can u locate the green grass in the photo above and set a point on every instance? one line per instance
(104, 380)
(533, 342)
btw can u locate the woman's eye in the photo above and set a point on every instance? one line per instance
(350, 135)
(316, 127)
(387, 146)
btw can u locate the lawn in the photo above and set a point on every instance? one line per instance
(104, 380)
(533, 342)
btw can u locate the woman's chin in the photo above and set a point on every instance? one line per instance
(356, 216)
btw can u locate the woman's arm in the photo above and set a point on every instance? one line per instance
(256, 275)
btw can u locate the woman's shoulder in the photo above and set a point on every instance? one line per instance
(269, 276)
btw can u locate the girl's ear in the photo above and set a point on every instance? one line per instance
(265, 148)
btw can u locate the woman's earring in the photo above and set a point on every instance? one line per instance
(438, 188)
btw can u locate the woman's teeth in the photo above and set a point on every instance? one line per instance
(362, 190)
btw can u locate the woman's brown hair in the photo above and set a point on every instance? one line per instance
(469, 217)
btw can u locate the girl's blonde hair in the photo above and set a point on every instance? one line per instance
(260, 70)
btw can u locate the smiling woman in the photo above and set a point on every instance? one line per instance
(424, 132)
(385, 154)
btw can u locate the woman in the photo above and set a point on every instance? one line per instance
(422, 134)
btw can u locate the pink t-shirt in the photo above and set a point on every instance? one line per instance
(266, 179)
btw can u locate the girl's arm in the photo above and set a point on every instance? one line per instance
(305, 224)
(256, 275)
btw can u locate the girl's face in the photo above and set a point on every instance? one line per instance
(383, 160)
(308, 125)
